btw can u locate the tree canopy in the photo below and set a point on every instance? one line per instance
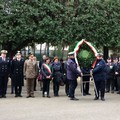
(24, 22)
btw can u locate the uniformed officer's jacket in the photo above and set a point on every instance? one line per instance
(110, 70)
(72, 72)
(100, 70)
(30, 69)
(4, 67)
(17, 67)
(117, 69)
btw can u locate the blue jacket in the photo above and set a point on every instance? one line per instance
(57, 71)
(99, 71)
(4, 67)
(72, 72)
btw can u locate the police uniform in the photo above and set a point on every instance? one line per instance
(72, 74)
(4, 72)
(99, 75)
(17, 75)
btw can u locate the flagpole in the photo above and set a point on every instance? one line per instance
(78, 67)
(96, 92)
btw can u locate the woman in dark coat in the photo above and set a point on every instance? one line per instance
(46, 76)
(17, 74)
(57, 75)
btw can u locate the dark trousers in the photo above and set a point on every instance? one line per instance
(86, 81)
(115, 83)
(35, 82)
(12, 86)
(67, 87)
(110, 84)
(18, 90)
(3, 85)
(46, 86)
(72, 87)
(118, 81)
(55, 87)
(100, 87)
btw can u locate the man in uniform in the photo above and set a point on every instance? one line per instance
(30, 72)
(99, 75)
(72, 74)
(17, 74)
(4, 72)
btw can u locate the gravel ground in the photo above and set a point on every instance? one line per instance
(59, 108)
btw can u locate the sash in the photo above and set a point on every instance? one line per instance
(47, 68)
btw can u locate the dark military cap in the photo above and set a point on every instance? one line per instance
(18, 53)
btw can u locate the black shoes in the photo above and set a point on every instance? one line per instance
(118, 92)
(74, 98)
(96, 98)
(84, 94)
(56, 95)
(103, 99)
(18, 95)
(88, 94)
(112, 91)
(28, 96)
(2, 96)
(48, 96)
(32, 96)
(107, 91)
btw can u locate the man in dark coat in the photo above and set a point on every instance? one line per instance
(72, 74)
(17, 74)
(117, 73)
(99, 75)
(110, 76)
(4, 72)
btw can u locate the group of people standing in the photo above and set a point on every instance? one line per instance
(104, 75)
(19, 70)
(113, 75)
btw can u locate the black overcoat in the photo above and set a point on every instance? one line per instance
(17, 72)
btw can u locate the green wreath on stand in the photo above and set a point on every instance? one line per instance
(85, 54)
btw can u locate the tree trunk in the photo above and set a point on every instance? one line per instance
(47, 49)
(62, 52)
(34, 47)
(105, 52)
(24, 52)
(41, 49)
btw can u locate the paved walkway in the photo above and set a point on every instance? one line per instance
(59, 108)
